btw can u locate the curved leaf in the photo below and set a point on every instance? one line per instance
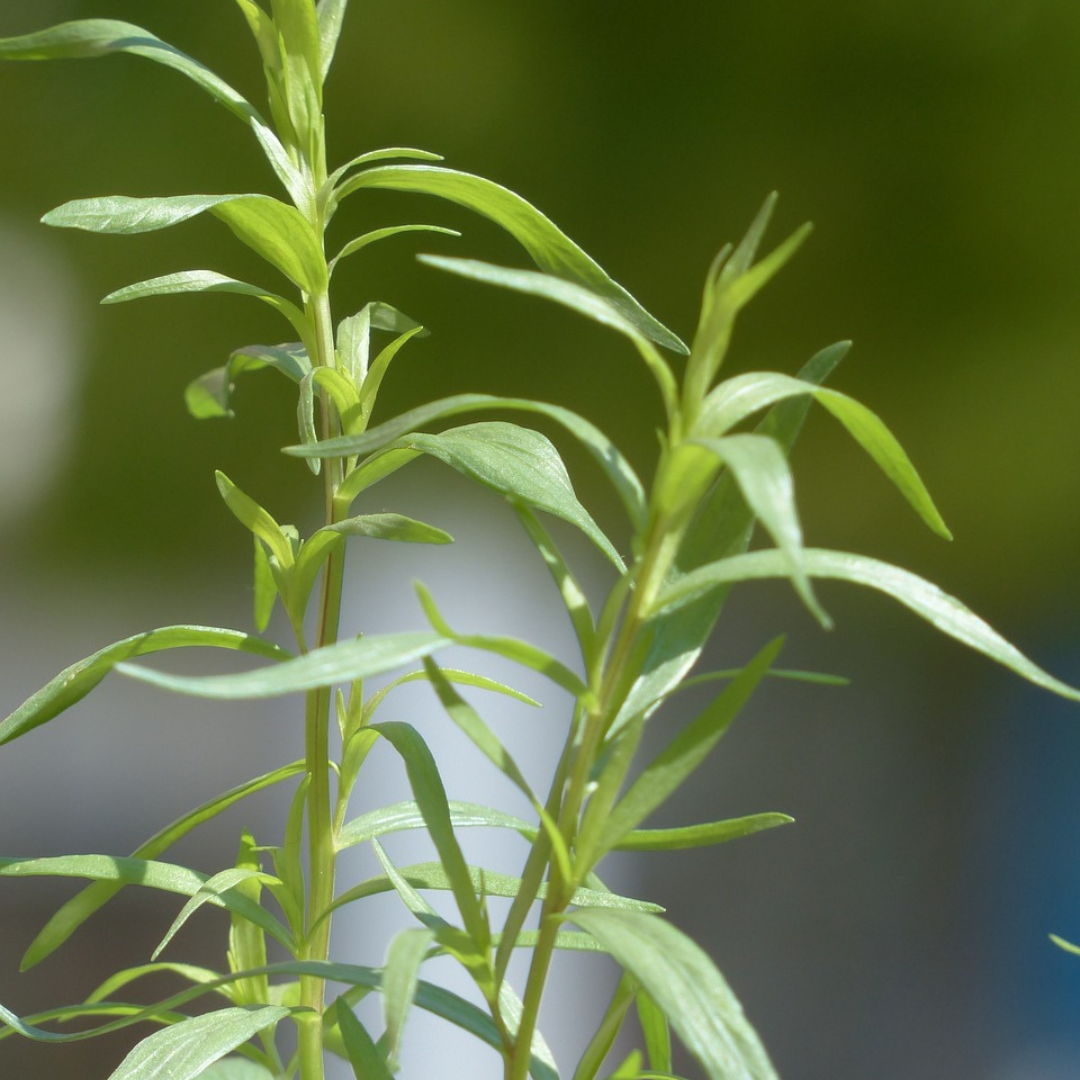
(551, 249)
(692, 836)
(342, 662)
(687, 987)
(516, 462)
(363, 1054)
(209, 394)
(184, 1050)
(945, 612)
(75, 682)
(736, 398)
(406, 815)
(602, 449)
(146, 872)
(125, 215)
(81, 906)
(373, 237)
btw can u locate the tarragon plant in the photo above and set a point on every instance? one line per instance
(718, 476)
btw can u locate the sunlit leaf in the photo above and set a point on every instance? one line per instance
(550, 249)
(331, 14)
(236, 1068)
(406, 815)
(209, 395)
(606, 454)
(75, 682)
(692, 836)
(182, 1051)
(945, 612)
(342, 662)
(400, 981)
(687, 987)
(373, 237)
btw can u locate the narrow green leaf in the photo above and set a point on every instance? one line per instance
(99, 37)
(601, 1043)
(542, 1059)
(739, 397)
(605, 453)
(373, 237)
(209, 395)
(430, 795)
(667, 772)
(687, 987)
(551, 249)
(198, 975)
(945, 612)
(516, 462)
(342, 662)
(364, 1056)
(431, 875)
(400, 981)
(331, 15)
(210, 889)
(183, 1051)
(300, 30)
(692, 836)
(354, 335)
(236, 1068)
(75, 682)
(401, 816)
(81, 906)
(148, 873)
(723, 525)
(761, 470)
(252, 516)
(464, 678)
(656, 1033)
(123, 215)
(280, 234)
(390, 527)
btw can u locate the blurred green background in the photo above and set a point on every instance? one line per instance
(936, 147)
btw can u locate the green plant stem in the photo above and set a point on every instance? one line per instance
(322, 844)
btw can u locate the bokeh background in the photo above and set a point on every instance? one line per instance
(900, 927)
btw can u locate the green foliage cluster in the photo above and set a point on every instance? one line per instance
(717, 478)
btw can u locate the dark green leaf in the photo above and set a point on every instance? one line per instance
(687, 987)
(551, 249)
(364, 1056)
(75, 682)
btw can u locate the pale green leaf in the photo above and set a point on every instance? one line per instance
(342, 662)
(400, 980)
(606, 454)
(945, 612)
(184, 1050)
(692, 836)
(331, 15)
(516, 462)
(687, 987)
(236, 1068)
(737, 398)
(252, 516)
(364, 1056)
(198, 975)
(148, 873)
(81, 906)
(209, 395)
(685, 753)
(75, 682)
(406, 815)
(656, 1033)
(551, 249)
(375, 235)
(124, 215)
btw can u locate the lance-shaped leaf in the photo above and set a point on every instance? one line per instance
(687, 987)
(354, 335)
(75, 682)
(276, 231)
(81, 906)
(406, 815)
(688, 750)
(331, 15)
(945, 612)
(550, 248)
(739, 397)
(576, 297)
(252, 516)
(209, 395)
(761, 470)
(208, 281)
(99, 37)
(184, 1050)
(364, 1056)
(430, 795)
(148, 873)
(516, 462)
(602, 449)
(373, 237)
(344, 661)
(723, 525)
(236, 1068)
(400, 981)
(692, 836)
